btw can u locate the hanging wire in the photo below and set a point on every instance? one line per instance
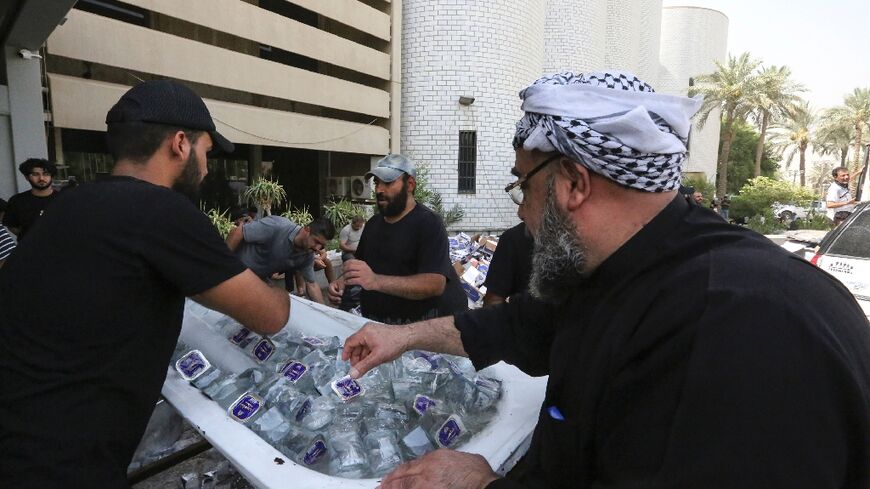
(266, 138)
(297, 143)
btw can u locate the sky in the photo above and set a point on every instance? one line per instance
(821, 41)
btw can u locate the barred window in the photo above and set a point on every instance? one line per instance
(467, 161)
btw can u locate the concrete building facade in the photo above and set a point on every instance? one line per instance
(490, 50)
(307, 89)
(24, 27)
(314, 91)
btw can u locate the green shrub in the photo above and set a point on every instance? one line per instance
(341, 211)
(756, 197)
(765, 223)
(221, 221)
(431, 198)
(265, 193)
(814, 221)
(300, 216)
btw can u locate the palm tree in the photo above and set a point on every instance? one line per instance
(855, 110)
(728, 88)
(775, 96)
(794, 135)
(834, 137)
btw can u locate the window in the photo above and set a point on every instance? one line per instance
(853, 239)
(467, 161)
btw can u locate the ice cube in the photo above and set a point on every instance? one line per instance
(383, 451)
(272, 426)
(349, 456)
(319, 415)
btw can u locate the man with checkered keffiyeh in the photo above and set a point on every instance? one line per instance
(682, 351)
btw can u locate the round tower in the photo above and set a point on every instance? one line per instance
(463, 64)
(693, 39)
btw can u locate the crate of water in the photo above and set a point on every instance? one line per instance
(282, 408)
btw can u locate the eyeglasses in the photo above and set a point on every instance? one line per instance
(515, 190)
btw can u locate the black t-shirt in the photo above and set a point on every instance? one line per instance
(415, 244)
(698, 355)
(24, 209)
(511, 264)
(91, 309)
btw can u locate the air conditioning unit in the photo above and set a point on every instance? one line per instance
(339, 186)
(359, 188)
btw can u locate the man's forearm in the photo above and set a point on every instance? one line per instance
(416, 287)
(439, 335)
(314, 292)
(491, 299)
(234, 238)
(835, 205)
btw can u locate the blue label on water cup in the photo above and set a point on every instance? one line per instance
(432, 358)
(240, 335)
(315, 453)
(422, 404)
(313, 341)
(303, 411)
(470, 291)
(450, 431)
(264, 349)
(346, 388)
(245, 407)
(192, 365)
(453, 367)
(293, 370)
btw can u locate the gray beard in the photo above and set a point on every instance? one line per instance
(559, 257)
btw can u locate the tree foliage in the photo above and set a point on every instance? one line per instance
(794, 135)
(774, 99)
(731, 89)
(742, 158)
(855, 111)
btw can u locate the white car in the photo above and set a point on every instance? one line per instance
(788, 213)
(845, 254)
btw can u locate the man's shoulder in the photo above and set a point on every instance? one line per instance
(19, 197)
(421, 214)
(516, 233)
(277, 221)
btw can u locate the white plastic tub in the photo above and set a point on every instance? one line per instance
(266, 467)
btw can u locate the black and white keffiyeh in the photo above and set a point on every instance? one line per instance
(612, 123)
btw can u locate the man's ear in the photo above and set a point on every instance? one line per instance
(577, 180)
(179, 145)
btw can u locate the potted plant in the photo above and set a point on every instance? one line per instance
(264, 193)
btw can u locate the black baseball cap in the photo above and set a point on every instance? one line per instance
(170, 103)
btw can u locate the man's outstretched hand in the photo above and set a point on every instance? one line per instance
(373, 345)
(441, 469)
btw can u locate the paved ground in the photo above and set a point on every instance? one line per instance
(198, 465)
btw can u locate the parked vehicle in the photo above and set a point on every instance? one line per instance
(845, 254)
(788, 213)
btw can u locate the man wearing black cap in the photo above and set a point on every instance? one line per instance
(402, 261)
(92, 306)
(25, 208)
